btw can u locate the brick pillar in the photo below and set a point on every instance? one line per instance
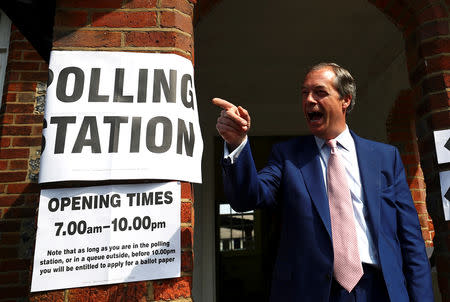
(101, 25)
(21, 118)
(425, 27)
(401, 130)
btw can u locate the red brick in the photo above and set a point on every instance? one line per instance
(186, 191)
(14, 292)
(31, 55)
(12, 176)
(440, 120)
(86, 38)
(7, 119)
(124, 19)
(5, 142)
(8, 226)
(17, 36)
(187, 262)
(423, 219)
(40, 76)
(159, 39)
(3, 164)
(183, 6)
(23, 65)
(29, 118)
(18, 165)
(136, 291)
(90, 3)
(9, 278)
(438, 63)
(24, 45)
(9, 239)
(26, 141)
(426, 235)
(26, 97)
(14, 153)
(177, 20)
(14, 264)
(11, 199)
(21, 87)
(409, 159)
(434, 102)
(421, 208)
(23, 188)
(416, 183)
(170, 289)
(10, 97)
(414, 171)
(186, 237)
(16, 130)
(43, 66)
(433, 84)
(71, 18)
(19, 108)
(186, 212)
(37, 130)
(140, 4)
(47, 296)
(14, 213)
(15, 54)
(433, 29)
(434, 47)
(431, 13)
(13, 75)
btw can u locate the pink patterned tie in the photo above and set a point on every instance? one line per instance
(347, 264)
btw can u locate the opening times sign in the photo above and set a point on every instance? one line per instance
(120, 115)
(107, 234)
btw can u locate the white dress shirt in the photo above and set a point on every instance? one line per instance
(347, 150)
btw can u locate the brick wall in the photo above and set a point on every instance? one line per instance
(102, 25)
(401, 130)
(20, 129)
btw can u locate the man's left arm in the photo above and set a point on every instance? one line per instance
(416, 267)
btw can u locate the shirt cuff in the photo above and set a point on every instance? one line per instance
(233, 156)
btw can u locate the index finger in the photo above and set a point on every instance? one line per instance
(222, 103)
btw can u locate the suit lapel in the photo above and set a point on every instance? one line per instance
(313, 178)
(370, 180)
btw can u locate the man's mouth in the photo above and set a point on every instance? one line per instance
(315, 116)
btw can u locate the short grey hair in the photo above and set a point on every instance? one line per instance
(344, 82)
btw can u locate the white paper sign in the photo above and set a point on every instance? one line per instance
(445, 192)
(442, 143)
(120, 115)
(107, 234)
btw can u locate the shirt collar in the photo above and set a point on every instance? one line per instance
(344, 139)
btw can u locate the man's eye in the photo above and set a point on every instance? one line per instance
(322, 93)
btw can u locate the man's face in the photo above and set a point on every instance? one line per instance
(323, 108)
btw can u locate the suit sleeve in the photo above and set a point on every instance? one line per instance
(245, 188)
(416, 267)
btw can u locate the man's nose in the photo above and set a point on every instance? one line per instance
(308, 98)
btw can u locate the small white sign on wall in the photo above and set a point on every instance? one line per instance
(445, 192)
(442, 143)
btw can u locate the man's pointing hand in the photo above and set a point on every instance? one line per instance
(233, 123)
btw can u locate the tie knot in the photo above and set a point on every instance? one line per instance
(331, 143)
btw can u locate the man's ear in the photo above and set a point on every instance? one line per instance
(346, 101)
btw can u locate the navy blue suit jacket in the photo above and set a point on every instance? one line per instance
(293, 181)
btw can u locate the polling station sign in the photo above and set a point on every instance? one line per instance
(107, 234)
(120, 115)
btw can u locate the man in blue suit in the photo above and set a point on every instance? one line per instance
(384, 228)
